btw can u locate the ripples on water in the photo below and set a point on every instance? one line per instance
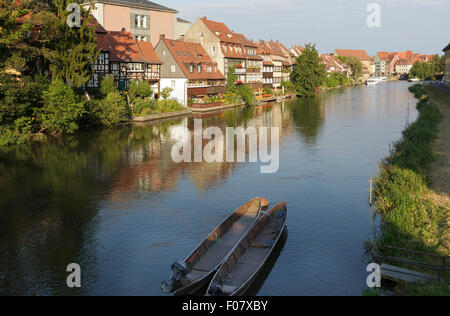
(113, 200)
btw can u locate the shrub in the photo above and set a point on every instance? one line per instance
(62, 109)
(107, 85)
(246, 92)
(112, 109)
(140, 89)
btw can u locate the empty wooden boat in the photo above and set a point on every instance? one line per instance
(244, 262)
(198, 268)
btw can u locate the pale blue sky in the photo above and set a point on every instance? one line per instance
(419, 25)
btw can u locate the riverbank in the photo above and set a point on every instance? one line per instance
(414, 215)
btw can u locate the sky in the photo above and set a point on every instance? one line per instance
(419, 25)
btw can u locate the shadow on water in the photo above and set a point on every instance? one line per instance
(268, 265)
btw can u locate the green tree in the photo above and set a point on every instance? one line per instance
(246, 92)
(112, 110)
(165, 93)
(107, 85)
(309, 72)
(355, 64)
(62, 109)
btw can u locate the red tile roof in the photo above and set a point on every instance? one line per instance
(360, 54)
(125, 48)
(221, 31)
(187, 53)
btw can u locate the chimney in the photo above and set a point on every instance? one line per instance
(162, 36)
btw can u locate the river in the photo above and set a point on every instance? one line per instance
(113, 200)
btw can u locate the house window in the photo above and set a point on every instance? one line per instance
(191, 69)
(173, 84)
(173, 68)
(140, 21)
(135, 67)
(199, 69)
(213, 49)
(209, 69)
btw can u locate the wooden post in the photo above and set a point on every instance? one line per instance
(370, 193)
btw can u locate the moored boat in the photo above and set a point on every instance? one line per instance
(196, 271)
(241, 267)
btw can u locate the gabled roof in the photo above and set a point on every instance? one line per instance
(383, 55)
(447, 48)
(188, 53)
(221, 31)
(138, 4)
(332, 61)
(123, 47)
(277, 48)
(358, 53)
(264, 49)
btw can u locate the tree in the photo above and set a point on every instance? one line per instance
(309, 72)
(355, 64)
(166, 92)
(422, 70)
(62, 109)
(246, 92)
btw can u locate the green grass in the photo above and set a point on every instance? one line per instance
(411, 218)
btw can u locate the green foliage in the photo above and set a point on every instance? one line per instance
(309, 72)
(144, 106)
(288, 87)
(112, 109)
(267, 90)
(355, 64)
(62, 109)
(107, 85)
(246, 93)
(424, 70)
(337, 79)
(231, 79)
(165, 93)
(139, 89)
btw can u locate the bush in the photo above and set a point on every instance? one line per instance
(144, 106)
(112, 109)
(62, 109)
(107, 85)
(140, 89)
(246, 92)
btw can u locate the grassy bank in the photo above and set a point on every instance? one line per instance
(413, 215)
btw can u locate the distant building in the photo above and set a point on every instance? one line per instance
(188, 70)
(145, 20)
(333, 65)
(447, 65)
(182, 28)
(361, 55)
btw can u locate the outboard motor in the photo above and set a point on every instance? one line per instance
(216, 288)
(179, 272)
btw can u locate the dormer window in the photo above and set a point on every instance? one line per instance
(230, 35)
(191, 69)
(199, 69)
(218, 33)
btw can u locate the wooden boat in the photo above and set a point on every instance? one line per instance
(241, 267)
(198, 268)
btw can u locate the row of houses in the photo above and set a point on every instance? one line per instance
(142, 40)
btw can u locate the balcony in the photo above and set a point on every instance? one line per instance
(240, 71)
(253, 70)
(206, 90)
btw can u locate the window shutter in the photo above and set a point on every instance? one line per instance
(147, 24)
(132, 21)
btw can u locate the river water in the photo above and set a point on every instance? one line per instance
(113, 200)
